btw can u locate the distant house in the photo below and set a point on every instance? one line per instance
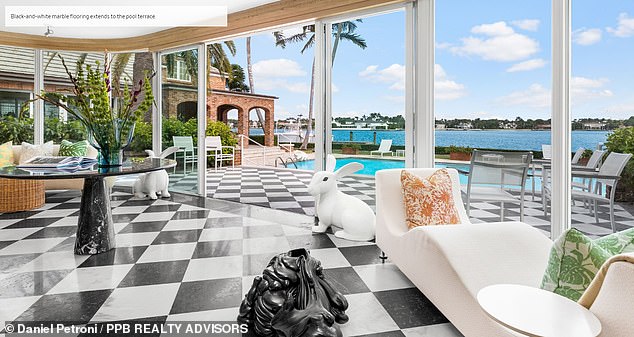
(510, 125)
(594, 126)
(542, 127)
(465, 126)
(371, 125)
(441, 126)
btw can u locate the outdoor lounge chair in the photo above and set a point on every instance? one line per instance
(384, 148)
(187, 149)
(214, 148)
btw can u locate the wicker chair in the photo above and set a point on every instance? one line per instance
(18, 195)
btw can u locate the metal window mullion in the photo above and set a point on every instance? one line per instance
(319, 105)
(424, 83)
(202, 119)
(561, 128)
(157, 116)
(410, 84)
(38, 105)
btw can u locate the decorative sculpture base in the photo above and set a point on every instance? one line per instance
(95, 229)
(292, 298)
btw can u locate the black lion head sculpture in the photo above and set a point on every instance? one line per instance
(293, 298)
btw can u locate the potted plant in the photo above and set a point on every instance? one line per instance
(109, 121)
(461, 153)
(350, 148)
(585, 157)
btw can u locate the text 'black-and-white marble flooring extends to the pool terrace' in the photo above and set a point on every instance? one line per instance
(189, 258)
(287, 190)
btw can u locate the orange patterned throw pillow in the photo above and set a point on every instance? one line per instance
(429, 201)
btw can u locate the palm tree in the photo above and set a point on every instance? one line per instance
(343, 31)
(216, 57)
(251, 82)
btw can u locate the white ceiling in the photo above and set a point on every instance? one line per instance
(116, 32)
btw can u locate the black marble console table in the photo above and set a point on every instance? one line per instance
(95, 230)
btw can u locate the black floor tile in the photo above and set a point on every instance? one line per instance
(184, 215)
(155, 273)
(217, 248)
(17, 215)
(123, 218)
(255, 264)
(142, 227)
(362, 254)
(5, 243)
(395, 333)
(53, 232)
(162, 208)
(122, 255)
(33, 222)
(346, 280)
(12, 262)
(74, 307)
(410, 308)
(30, 283)
(67, 205)
(182, 236)
(224, 222)
(314, 241)
(208, 295)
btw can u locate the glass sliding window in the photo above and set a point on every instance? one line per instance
(368, 91)
(16, 87)
(602, 103)
(58, 123)
(493, 92)
(180, 108)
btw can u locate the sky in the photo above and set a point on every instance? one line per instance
(492, 61)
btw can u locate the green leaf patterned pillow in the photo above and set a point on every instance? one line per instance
(574, 261)
(6, 154)
(68, 149)
(618, 243)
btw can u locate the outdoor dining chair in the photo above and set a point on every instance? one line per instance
(214, 148)
(607, 177)
(498, 176)
(187, 151)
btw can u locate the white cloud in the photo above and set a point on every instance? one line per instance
(625, 27)
(334, 88)
(445, 88)
(539, 97)
(443, 45)
(393, 75)
(265, 84)
(587, 36)
(501, 43)
(277, 68)
(536, 96)
(528, 24)
(527, 65)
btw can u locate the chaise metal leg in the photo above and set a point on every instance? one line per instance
(612, 217)
(596, 212)
(383, 257)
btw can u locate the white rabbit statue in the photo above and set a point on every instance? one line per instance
(156, 182)
(335, 208)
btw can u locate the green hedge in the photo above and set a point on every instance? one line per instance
(622, 141)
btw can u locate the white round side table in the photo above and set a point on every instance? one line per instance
(535, 312)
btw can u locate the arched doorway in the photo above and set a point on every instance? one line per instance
(186, 110)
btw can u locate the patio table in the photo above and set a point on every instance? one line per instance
(95, 229)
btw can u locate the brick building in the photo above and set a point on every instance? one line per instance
(180, 97)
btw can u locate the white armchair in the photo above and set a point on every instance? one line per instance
(450, 264)
(214, 148)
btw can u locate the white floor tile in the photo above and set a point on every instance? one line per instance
(436, 330)
(168, 252)
(154, 216)
(386, 276)
(11, 308)
(369, 316)
(129, 210)
(179, 225)
(31, 246)
(92, 278)
(330, 257)
(137, 302)
(18, 233)
(265, 245)
(67, 221)
(214, 268)
(54, 213)
(135, 239)
(220, 315)
(55, 261)
(221, 234)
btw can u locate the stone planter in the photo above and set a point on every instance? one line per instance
(349, 150)
(462, 156)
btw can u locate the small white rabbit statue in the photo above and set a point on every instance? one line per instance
(335, 208)
(154, 183)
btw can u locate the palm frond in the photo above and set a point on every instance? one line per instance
(309, 43)
(280, 40)
(231, 46)
(355, 39)
(117, 69)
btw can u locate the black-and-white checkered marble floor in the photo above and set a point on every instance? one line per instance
(189, 258)
(287, 190)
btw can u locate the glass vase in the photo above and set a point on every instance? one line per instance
(110, 139)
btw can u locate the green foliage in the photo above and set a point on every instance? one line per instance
(622, 141)
(237, 81)
(174, 127)
(17, 130)
(352, 146)
(460, 149)
(142, 138)
(56, 130)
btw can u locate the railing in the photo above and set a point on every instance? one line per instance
(242, 139)
(285, 162)
(288, 142)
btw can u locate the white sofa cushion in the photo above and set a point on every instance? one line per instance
(29, 151)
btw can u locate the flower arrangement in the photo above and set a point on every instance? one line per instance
(109, 119)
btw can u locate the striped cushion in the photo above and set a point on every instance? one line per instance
(68, 149)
